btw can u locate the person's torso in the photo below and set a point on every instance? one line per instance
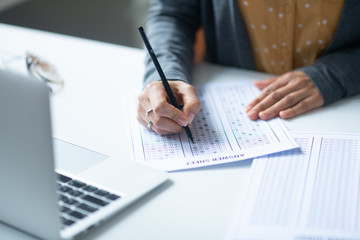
(228, 41)
(288, 34)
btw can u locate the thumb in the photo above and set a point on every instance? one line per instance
(191, 104)
(264, 83)
(177, 115)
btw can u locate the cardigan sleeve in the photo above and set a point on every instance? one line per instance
(171, 28)
(336, 74)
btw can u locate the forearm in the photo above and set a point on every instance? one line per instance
(171, 28)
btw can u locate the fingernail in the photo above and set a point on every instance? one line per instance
(264, 115)
(253, 115)
(257, 82)
(283, 114)
(182, 121)
(248, 107)
(191, 117)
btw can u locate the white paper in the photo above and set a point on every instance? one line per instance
(13, 62)
(312, 193)
(222, 132)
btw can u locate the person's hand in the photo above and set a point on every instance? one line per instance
(165, 118)
(287, 96)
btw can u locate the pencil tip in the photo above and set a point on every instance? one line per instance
(188, 133)
(191, 138)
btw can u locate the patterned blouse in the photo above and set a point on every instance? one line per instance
(289, 34)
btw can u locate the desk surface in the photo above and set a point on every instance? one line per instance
(90, 112)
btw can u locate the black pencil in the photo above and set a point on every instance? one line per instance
(162, 76)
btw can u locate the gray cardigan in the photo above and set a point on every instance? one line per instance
(172, 25)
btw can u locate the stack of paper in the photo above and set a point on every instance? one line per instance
(312, 192)
(308, 193)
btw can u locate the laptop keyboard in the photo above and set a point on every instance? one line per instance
(78, 200)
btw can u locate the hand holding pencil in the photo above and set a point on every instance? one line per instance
(159, 104)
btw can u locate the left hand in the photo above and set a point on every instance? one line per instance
(287, 96)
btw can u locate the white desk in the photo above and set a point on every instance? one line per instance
(196, 204)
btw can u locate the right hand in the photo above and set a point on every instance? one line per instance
(165, 117)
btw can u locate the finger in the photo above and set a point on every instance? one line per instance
(271, 99)
(143, 103)
(166, 110)
(160, 123)
(156, 90)
(166, 124)
(310, 103)
(161, 131)
(141, 120)
(286, 102)
(154, 128)
(264, 83)
(145, 108)
(279, 82)
(162, 108)
(141, 114)
(191, 102)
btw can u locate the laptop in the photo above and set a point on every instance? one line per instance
(52, 203)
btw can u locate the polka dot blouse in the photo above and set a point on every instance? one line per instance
(289, 34)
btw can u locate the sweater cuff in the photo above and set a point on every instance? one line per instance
(329, 88)
(170, 75)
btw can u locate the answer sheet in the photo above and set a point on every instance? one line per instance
(221, 130)
(309, 193)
